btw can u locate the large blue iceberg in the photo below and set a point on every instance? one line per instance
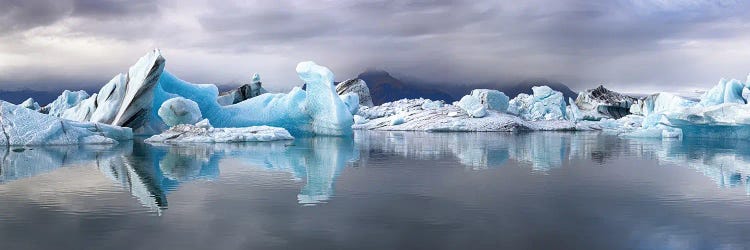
(134, 99)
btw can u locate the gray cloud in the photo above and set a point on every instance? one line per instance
(632, 44)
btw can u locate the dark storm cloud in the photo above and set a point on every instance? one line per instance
(21, 14)
(629, 43)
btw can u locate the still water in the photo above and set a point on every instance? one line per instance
(382, 190)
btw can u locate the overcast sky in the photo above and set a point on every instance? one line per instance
(631, 45)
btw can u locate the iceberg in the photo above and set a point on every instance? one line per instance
(543, 104)
(472, 106)
(352, 102)
(318, 110)
(721, 112)
(124, 101)
(179, 110)
(244, 92)
(423, 115)
(724, 92)
(30, 104)
(357, 86)
(600, 102)
(133, 100)
(22, 126)
(203, 132)
(63, 102)
(492, 99)
(660, 103)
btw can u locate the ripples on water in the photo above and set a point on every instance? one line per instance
(382, 190)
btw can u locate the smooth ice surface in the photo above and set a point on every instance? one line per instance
(203, 132)
(179, 110)
(544, 104)
(472, 106)
(22, 126)
(492, 99)
(318, 110)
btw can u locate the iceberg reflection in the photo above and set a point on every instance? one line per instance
(150, 172)
(317, 160)
(726, 162)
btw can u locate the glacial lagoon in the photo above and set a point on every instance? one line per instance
(381, 190)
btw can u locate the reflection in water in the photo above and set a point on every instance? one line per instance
(24, 162)
(149, 172)
(727, 162)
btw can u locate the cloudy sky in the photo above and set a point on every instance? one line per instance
(631, 45)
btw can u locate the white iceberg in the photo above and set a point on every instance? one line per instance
(30, 104)
(724, 92)
(472, 106)
(22, 126)
(63, 102)
(124, 101)
(492, 99)
(543, 104)
(203, 132)
(351, 100)
(414, 115)
(179, 110)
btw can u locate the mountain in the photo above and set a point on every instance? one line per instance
(385, 88)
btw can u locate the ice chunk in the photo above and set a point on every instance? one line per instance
(544, 104)
(472, 106)
(125, 101)
(244, 92)
(660, 103)
(359, 119)
(724, 92)
(351, 100)
(21, 126)
(447, 118)
(205, 133)
(109, 99)
(430, 104)
(30, 104)
(357, 86)
(179, 110)
(318, 110)
(397, 119)
(66, 100)
(492, 99)
(82, 111)
(600, 102)
(137, 101)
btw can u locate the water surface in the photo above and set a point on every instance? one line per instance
(381, 190)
